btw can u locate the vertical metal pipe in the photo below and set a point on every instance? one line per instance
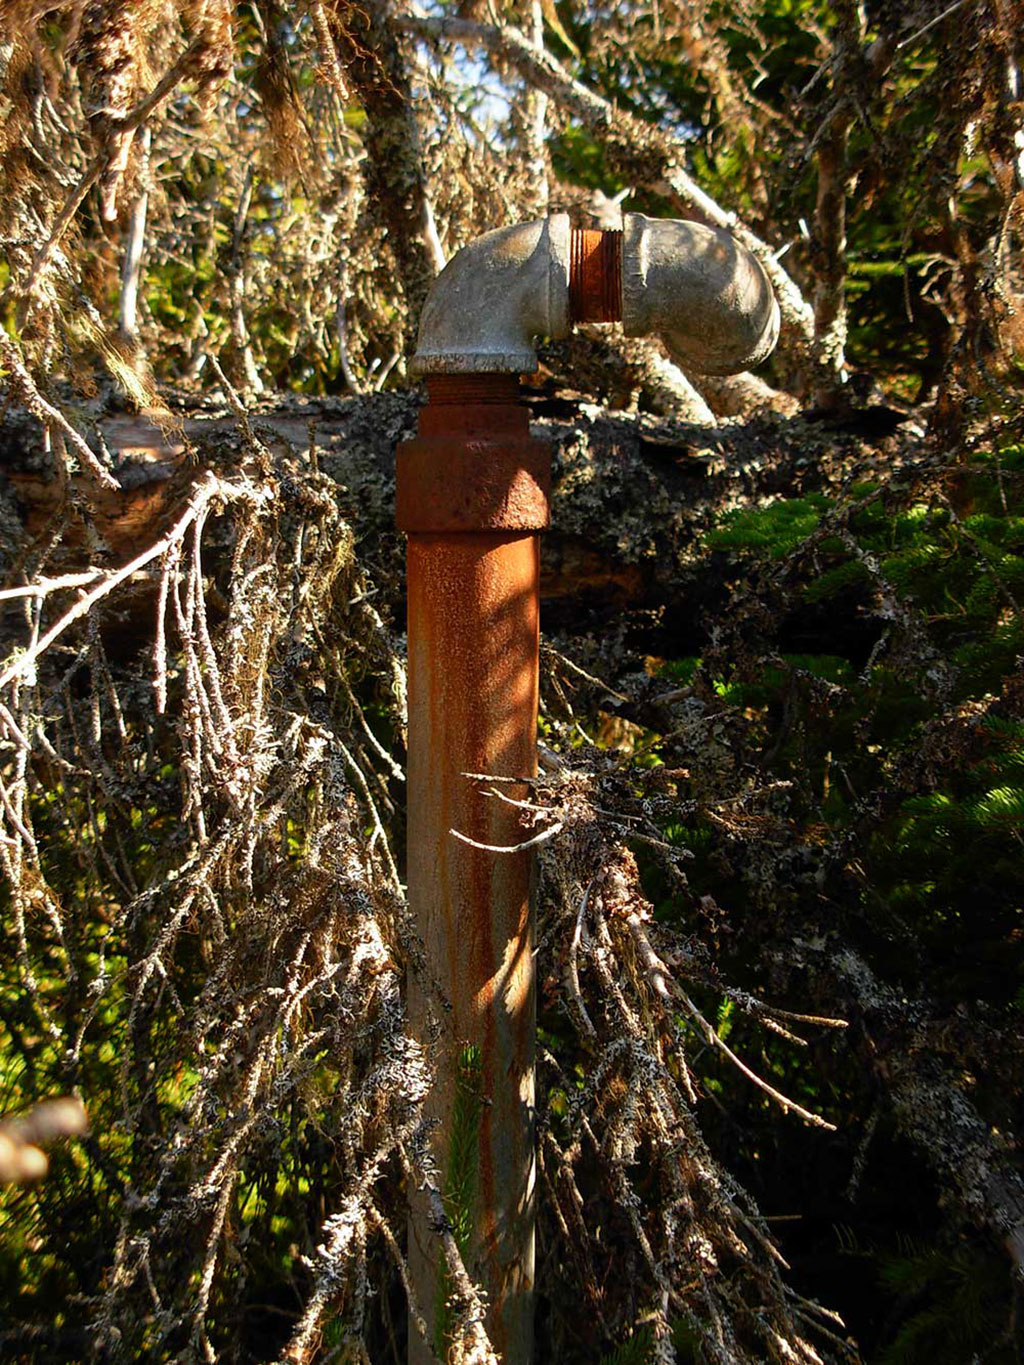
(472, 496)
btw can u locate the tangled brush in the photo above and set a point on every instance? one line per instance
(206, 940)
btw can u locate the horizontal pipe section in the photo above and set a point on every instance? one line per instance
(595, 275)
(706, 296)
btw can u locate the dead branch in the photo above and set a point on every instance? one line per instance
(23, 1138)
(626, 133)
(930, 1109)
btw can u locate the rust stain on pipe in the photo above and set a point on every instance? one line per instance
(595, 275)
(473, 616)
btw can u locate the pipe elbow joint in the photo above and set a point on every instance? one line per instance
(700, 291)
(493, 297)
(696, 287)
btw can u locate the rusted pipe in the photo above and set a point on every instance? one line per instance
(473, 497)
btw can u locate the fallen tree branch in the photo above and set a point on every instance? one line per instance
(23, 383)
(209, 488)
(930, 1110)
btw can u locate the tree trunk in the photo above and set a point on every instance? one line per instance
(396, 184)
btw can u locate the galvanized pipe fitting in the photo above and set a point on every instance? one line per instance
(706, 296)
(493, 297)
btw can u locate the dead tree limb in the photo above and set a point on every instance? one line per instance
(131, 270)
(396, 182)
(856, 70)
(649, 156)
(239, 331)
(975, 1167)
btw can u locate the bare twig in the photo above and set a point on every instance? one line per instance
(128, 124)
(208, 489)
(47, 413)
(540, 838)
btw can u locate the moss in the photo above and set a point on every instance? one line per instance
(460, 1188)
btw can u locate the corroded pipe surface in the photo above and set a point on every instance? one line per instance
(473, 589)
(595, 275)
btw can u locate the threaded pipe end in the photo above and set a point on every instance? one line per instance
(595, 275)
